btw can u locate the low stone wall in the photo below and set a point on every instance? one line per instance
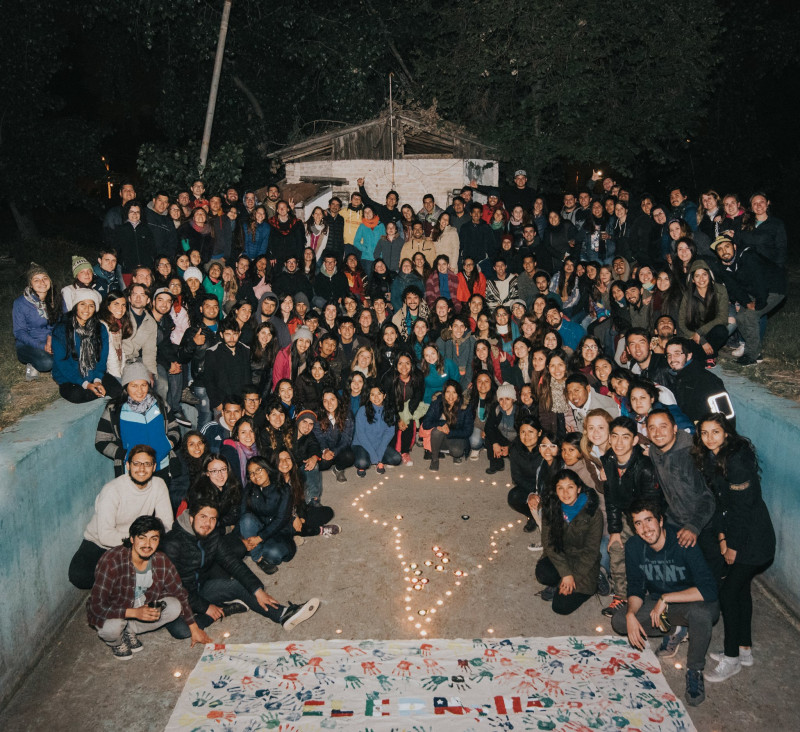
(50, 476)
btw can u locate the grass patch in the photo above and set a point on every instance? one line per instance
(17, 396)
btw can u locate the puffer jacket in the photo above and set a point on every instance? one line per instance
(638, 481)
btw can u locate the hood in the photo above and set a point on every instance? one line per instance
(700, 264)
(185, 522)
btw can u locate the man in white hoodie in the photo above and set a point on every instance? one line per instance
(136, 493)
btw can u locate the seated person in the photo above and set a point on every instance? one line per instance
(374, 434)
(136, 493)
(668, 585)
(447, 425)
(217, 581)
(572, 529)
(137, 591)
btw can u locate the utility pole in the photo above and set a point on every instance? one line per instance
(212, 95)
(391, 123)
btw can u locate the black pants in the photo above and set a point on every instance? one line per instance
(82, 566)
(709, 544)
(518, 500)
(494, 462)
(316, 518)
(345, 458)
(440, 441)
(76, 394)
(717, 337)
(736, 603)
(548, 575)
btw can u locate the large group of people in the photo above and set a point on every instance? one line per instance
(572, 345)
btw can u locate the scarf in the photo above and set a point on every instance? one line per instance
(89, 351)
(570, 512)
(142, 406)
(244, 453)
(205, 229)
(372, 223)
(497, 225)
(34, 300)
(283, 227)
(559, 400)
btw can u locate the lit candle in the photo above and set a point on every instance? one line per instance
(338, 631)
(490, 630)
(448, 593)
(418, 625)
(445, 560)
(599, 628)
(440, 602)
(177, 674)
(436, 548)
(422, 612)
(418, 587)
(428, 562)
(413, 566)
(418, 572)
(439, 567)
(432, 610)
(226, 635)
(399, 517)
(458, 573)
(424, 581)
(423, 632)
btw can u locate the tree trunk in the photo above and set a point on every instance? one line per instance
(25, 225)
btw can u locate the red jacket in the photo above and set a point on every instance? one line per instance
(463, 293)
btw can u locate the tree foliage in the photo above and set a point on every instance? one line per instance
(168, 168)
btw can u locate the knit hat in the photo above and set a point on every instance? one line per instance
(303, 333)
(306, 414)
(135, 371)
(79, 264)
(33, 270)
(192, 272)
(506, 391)
(84, 293)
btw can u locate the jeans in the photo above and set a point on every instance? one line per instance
(548, 575)
(169, 387)
(111, 632)
(83, 564)
(40, 359)
(616, 554)
(274, 550)
(362, 461)
(699, 617)
(475, 440)
(748, 322)
(440, 441)
(313, 484)
(204, 408)
(217, 592)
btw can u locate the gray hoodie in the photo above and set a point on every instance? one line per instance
(690, 504)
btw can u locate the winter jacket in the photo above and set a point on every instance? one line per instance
(461, 354)
(196, 559)
(134, 246)
(424, 245)
(190, 351)
(256, 245)
(384, 213)
(330, 288)
(333, 438)
(104, 282)
(690, 504)
(464, 292)
(476, 241)
(555, 242)
(768, 239)
(465, 418)
(742, 516)
(721, 318)
(226, 371)
(750, 278)
(366, 239)
(389, 252)
(449, 244)
(374, 437)
(352, 220)
(291, 283)
(434, 381)
(142, 343)
(495, 299)
(217, 289)
(581, 552)
(400, 283)
(525, 465)
(308, 391)
(66, 369)
(272, 505)
(108, 439)
(692, 386)
(433, 289)
(286, 239)
(638, 481)
(335, 241)
(30, 328)
(163, 231)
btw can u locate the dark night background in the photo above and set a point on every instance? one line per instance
(656, 93)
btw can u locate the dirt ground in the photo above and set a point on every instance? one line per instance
(361, 580)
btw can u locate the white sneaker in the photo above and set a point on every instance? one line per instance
(745, 656)
(30, 372)
(726, 668)
(474, 454)
(738, 352)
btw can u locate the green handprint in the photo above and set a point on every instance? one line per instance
(270, 721)
(353, 682)
(434, 682)
(385, 682)
(201, 699)
(576, 644)
(482, 674)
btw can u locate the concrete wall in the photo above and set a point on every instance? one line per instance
(773, 425)
(50, 474)
(414, 177)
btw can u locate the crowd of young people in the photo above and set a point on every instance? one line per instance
(572, 343)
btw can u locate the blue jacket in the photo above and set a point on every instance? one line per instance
(464, 422)
(366, 240)
(375, 437)
(272, 506)
(65, 369)
(255, 247)
(30, 328)
(333, 439)
(104, 281)
(571, 333)
(435, 381)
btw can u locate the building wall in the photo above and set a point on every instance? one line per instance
(414, 177)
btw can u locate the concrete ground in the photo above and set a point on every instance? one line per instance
(360, 578)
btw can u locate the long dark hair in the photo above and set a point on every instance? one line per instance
(104, 314)
(701, 309)
(552, 513)
(262, 463)
(339, 416)
(94, 333)
(416, 384)
(733, 443)
(294, 481)
(474, 397)
(265, 354)
(450, 414)
(195, 465)
(229, 496)
(389, 413)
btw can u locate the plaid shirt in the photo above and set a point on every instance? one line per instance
(115, 586)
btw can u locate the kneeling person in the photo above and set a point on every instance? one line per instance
(668, 584)
(137, 590)
(217, 581)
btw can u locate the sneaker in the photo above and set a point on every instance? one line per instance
(548, 593)
(615, 605)
(491, 471)
(361, 473)
(234, 607)
(603, 585)
(695, 688)
(669, 646)
(458, 461)
(746, 361)
(330, 530)
(474, 454)
(133, 641)
(340, 476)
(535, 546)
(726, 668)
(188, 398)
(407, 461)
(531, 526)
(122, 651)
(267, 567)
(30, 372)
(427, 455)
(434, 466)
(760, 358)
(293, 614)
(738, 352)
(710, 363)
(380, 469)
(182, 419)
(745, 656)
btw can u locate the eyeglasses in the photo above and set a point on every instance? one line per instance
(142, 464)
(217, 471)
(589, 347)
(255, 471)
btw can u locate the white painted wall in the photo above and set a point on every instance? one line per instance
(414, 177)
